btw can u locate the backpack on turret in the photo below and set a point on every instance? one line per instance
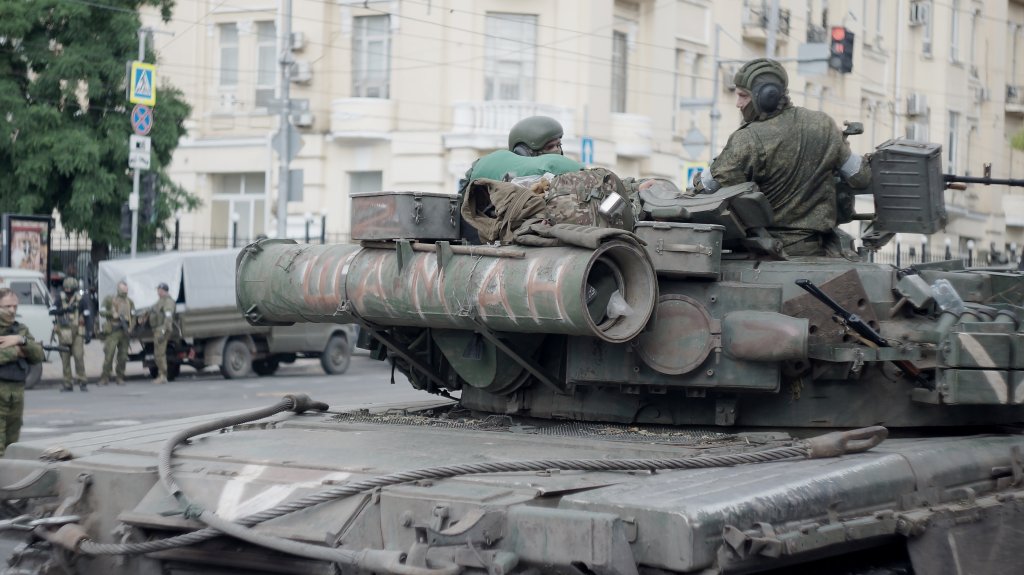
(590, 197)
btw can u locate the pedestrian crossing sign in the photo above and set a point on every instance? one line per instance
(142, 88)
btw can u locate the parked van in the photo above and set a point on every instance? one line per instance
(33, 308)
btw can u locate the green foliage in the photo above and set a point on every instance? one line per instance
(64, 115)
(1018, 141)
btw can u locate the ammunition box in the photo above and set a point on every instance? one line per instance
(683, 250)
(405, 215)
(974, 386)
(907, 183)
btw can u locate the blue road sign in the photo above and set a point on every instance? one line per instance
(142, 88)
(587, 151)
(142, 119)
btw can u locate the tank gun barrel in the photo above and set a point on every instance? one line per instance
(955, 179)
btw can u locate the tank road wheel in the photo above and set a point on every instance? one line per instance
(35, 373)
(265, 366)
(337, 355)
(237, 360)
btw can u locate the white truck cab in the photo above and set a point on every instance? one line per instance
(33, 308)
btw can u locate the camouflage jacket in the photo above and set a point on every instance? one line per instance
(162, 313)
(793, 157)
(71, 317)
(119, 311)
(33, 351)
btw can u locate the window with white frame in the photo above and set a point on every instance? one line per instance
(266, 63)
(510, 55)
(619, 66)
(972, 55)
(371, 56)
(926, 45)
(879, 28)
(359, 182)
(227, 75)
(952, 141)
(954, 33)
(238, 206)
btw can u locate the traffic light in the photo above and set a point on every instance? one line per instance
(147, 201)
(841, 50)
(126, 221)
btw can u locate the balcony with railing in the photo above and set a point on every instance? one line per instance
(756, 25)
(484, 124)
(362, 118)
(1015, 99)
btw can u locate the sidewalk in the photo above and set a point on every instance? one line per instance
(53, 370)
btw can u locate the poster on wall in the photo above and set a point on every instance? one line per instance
(26, 243)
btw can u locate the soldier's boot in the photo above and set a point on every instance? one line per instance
(120, 380)
(82, 386)
(67, 386)
(160, 380)
(104, 380)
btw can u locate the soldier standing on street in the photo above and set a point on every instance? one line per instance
(17, 351)
(793, 155)
(70, 314)
(119, 311)
(161, 319)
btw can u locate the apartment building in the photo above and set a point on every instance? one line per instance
(405, 94)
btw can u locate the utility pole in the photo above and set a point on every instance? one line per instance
(284, 128)
(133, 200)
(715, 113)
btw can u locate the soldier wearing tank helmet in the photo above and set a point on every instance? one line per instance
(793, 154)
(534, 148)
(69, 321)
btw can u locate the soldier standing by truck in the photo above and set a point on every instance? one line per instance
(17, 351)
(119, 311)
(161, 319)
(71, 313)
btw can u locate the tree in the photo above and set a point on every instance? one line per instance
(64, 116)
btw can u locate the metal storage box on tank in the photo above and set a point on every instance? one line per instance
(683, 250)
(405, 215)
(907, 183)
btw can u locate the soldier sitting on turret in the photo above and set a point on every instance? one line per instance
(792, 154)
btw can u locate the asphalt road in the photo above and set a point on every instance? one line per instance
(50, 413)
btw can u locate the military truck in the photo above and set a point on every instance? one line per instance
(675, 396)
(209, 329)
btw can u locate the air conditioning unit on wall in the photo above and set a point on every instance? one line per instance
(920, 11)
(302, 72)
(917, 104)
(303, 119)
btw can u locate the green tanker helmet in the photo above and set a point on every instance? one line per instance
(535, 133)
(766, 80)
(70, 284)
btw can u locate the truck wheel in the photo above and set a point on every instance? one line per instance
(35, 373)
(237, 360)
(173, 369)
(265, 366)
(337, 355)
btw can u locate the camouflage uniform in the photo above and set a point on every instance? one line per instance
(119, 311)
(14, 362)
(161, 319)
(794, 155)
(70, 325)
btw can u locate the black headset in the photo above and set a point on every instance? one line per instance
(768, 96)
(521, 149)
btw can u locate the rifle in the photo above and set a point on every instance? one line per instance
(58, 348)
(854, 322)
(955, 179)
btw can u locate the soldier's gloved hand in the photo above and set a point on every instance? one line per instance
(697, 183)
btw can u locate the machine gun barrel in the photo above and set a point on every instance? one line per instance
(864, 330)
(60, 348)
(955, 179)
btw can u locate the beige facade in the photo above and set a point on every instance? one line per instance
(405, 94)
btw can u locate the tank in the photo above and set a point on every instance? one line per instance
(677, 397)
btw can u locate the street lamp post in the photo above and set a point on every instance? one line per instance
(949, 249)
(970, 253)
(323, 226)
(309, 219)
(234, 229)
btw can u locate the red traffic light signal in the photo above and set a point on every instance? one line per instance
(841, 50)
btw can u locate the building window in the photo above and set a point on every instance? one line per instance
(266, 63)
(510, 53)
(619, 64)
(926, 46)
(954, 33)
(371, 56)
(953, 137)
(972, 56)
(228, 69)
(359, 182)
(238, 207)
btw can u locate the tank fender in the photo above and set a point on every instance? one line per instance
(764, 336)
(213, 349)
